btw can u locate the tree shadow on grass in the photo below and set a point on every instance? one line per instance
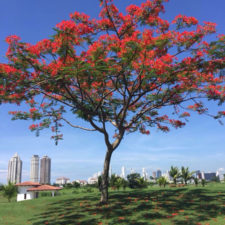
(181, 206)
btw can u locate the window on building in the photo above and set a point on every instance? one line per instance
(25, 196)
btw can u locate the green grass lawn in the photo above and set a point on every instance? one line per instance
(153, 205)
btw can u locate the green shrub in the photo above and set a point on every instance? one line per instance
(9, 191)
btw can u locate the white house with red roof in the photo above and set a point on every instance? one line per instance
(29, 190)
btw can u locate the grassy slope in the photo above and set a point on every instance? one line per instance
(179, 206)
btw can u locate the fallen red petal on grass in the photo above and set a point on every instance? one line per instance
(121, 218)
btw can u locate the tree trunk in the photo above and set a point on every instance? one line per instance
(105, 175)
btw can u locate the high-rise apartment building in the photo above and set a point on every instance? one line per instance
(45, 171)
(154, 174)
(34, 168)
(144, 174)
(158, 173)
(123, 172)
(15, 169)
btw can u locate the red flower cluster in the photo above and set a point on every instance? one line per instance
(32, 110)
(185, 19)
(33, 126)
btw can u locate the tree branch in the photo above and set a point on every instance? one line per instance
(76, 126)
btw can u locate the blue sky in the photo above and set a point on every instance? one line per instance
(199, 145)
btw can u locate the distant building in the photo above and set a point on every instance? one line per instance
(158, 173)
(15, 169)
(154, 174)
(34, 168)
(202, 175)
(220, 173)
(197, 174)
(209, 176)
(92, 180)
(82, 182)
(144, 174)
(123, 172)
(45, 171)
(62, 180)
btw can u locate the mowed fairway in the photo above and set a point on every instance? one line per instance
(153, 205)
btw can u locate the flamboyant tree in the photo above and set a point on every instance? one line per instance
(119, 70)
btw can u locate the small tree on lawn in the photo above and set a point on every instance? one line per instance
(203, 182)
(174, 173)
(133, 180)
(142, 183)
(9, 191)
(76, 184)
(118, 183)
(195, 181)
(162, 181)
(124, 184)
(186, 174)
(119, 70)
(112, 180)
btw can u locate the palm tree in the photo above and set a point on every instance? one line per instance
(162, 181)
(9, 191)
(186, 174)
(174, 173)
(118, 183)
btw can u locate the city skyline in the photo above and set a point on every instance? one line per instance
(198, 145)
(122, 172)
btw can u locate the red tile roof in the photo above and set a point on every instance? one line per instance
(44, 188)
(28, 183)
